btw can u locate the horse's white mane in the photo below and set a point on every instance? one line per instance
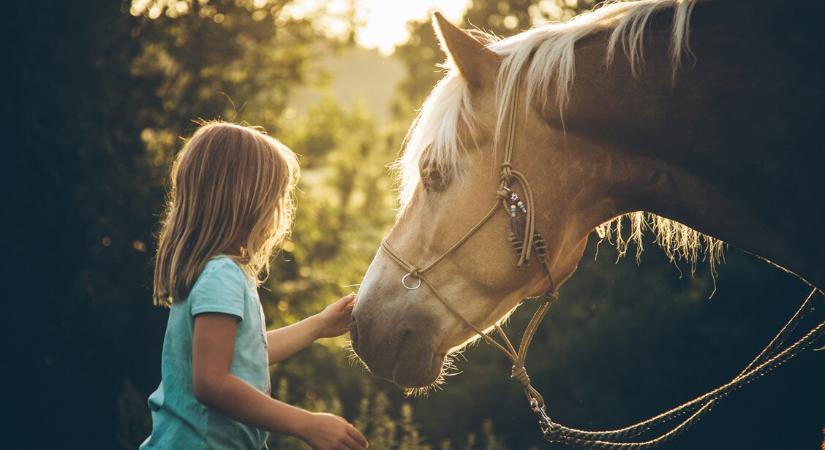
(545, 55)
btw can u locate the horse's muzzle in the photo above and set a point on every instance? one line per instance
(395, 350)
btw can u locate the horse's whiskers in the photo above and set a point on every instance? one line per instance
(352, 357)
(448, 369)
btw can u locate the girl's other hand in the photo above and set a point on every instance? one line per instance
(329, 432)
(335, 319)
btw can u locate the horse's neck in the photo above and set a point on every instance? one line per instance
(733, 148)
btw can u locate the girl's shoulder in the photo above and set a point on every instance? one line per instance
(222, 262)
(221, 268)
(222, 286)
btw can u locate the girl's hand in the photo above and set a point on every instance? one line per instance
(329, 432)
(335, 319)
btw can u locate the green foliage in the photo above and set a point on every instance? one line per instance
(421, 54)
(229, 59)
(344, 204)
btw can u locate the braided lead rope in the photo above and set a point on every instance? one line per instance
(610, 445)
(555, 432)
(646, 425)
(789, 327)
(564, 434)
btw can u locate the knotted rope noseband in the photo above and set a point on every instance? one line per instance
(525, 240)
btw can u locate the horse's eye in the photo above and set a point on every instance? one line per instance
(432, 179)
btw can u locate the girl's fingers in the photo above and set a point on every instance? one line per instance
(357, 436)
(351, 444)
(347, 302)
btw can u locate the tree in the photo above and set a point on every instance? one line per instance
(100, 98)
(81, 241)
(421, 53)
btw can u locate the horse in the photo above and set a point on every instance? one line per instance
(697, 120)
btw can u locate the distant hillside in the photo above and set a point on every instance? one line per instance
(355, 75)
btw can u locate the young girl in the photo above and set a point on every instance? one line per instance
(230, 206)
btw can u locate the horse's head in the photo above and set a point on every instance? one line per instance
(450, 175)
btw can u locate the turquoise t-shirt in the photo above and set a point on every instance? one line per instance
(179, 421)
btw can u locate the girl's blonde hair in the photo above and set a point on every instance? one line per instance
(231, 193)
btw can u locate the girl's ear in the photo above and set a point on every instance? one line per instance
(476, 63)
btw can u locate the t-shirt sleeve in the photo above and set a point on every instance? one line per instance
(219, 289)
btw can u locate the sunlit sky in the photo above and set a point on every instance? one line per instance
(381, 23)
(384, 20)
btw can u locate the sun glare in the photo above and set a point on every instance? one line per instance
(381, 24)
(384, 22)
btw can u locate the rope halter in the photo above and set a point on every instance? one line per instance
(525, 240)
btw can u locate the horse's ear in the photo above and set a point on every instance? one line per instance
(477, 63)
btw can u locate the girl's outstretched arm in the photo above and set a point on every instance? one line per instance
(333, 321)
(214, 386)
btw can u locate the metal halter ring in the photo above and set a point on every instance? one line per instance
(404, 282)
